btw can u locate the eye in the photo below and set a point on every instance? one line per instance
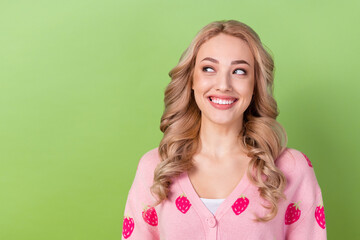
(205, 69)
(241, 70)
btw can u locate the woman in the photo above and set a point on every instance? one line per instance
(222, 169)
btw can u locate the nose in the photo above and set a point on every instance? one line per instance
(223, 82)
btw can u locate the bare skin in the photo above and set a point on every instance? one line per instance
(216, 179)
(221, 161)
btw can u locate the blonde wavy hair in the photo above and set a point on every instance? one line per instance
(264, 138)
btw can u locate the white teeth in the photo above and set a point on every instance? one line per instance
(219, 101)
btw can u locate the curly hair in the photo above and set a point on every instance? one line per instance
(264, 138)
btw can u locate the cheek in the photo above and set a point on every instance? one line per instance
(246, 87)
(201, 84)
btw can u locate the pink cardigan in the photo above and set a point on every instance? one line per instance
(183, 216)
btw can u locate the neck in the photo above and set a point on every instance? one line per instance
(219, 140)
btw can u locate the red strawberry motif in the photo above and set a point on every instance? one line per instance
(182, 203)
(150, 216)
(308, 160)
(240, 204)
(320, 215)
(128, 227)
(293, 213)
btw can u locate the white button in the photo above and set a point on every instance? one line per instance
(211, 221)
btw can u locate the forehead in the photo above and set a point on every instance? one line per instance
(225, 48)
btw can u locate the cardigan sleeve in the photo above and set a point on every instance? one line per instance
(312, 226)
(305, 215)
(140, 220)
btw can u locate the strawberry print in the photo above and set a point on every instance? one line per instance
(182, 203)
(150, 216)
(293, 213)
(320, 215)
(128, 227)
(240, 204)
(308, 160)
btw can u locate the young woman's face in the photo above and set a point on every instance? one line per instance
(223, 80)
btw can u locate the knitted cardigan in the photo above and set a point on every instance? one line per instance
(183, 216)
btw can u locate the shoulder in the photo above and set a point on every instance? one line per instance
(298, 169)
(294, 160)
(144, 178)
(147, 164)
(149, 159)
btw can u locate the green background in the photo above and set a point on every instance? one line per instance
(81, 96)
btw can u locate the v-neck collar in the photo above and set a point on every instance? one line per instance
(199, 206)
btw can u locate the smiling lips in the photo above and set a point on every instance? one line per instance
(222, 103)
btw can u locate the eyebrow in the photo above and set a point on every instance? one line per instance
(232, 63)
